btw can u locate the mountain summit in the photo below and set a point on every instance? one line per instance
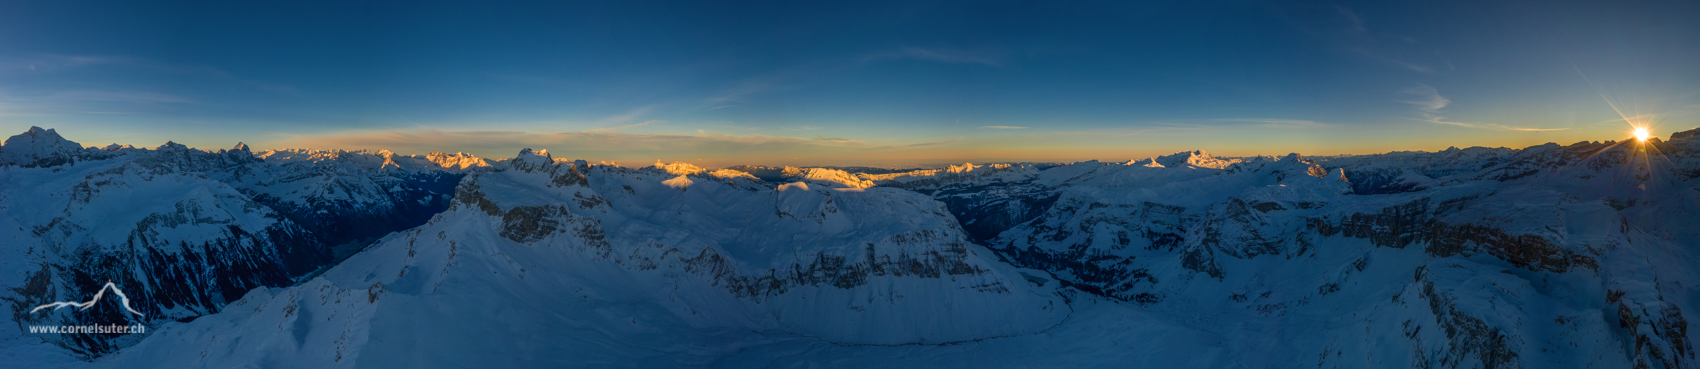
(39, 148)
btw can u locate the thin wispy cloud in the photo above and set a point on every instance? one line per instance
(54, 62)
(1278, 123)
(838, 140)
(1358, 39)
(536, 80)
(1428, 98)
(629, 116)
(1492, 126)
(49, 63)
(1429, 103)
(801, 75)
(1002, 127)
(624, 126)
(761, 84)
(1224, 123)
(1444, 60)
(936, 143)
(737, 93)
(1356, 20)
(1527, 129)
(191, 70)
(119, 96)
(940, 55)
(100, 102)
(592, 143)
(1412, 66)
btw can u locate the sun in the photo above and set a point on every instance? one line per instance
(1641, 134)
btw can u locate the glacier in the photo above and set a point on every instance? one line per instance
(1543, 257)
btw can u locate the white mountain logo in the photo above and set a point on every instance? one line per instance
(86, 305)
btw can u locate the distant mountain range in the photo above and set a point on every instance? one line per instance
(1550, 256)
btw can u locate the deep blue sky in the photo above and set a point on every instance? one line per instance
(854, 83)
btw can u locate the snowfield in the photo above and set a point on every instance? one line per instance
(1579, 256)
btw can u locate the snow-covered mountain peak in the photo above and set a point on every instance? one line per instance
(927, 178)
(678, 168)
(1685, 134)
(378, 160)
(790, 171)
(171, 146)
(1293, 167)
(560, 173)
(40, 141)
(681, 181)
(729, 174)
(303, 155)
(529, 160)
(39, 147)
(1195, 158)
(459, 160)
(1147, 162)
(828, 176)
(970, 167)
(240, 147)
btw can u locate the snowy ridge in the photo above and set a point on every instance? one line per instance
(922, 180)
(1559, 233)
(183, 243)
(1196, 159)
(189, 230)
(831, 264)
(379, 160)
(679, 168)
(42, 148)
(1544, 257)
(729, 174)
(826, 176)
